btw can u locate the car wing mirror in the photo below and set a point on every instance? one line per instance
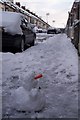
(23, 26)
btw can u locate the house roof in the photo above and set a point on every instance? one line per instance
(77, 1)
(14, 6)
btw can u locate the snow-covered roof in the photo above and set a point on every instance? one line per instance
(77, 1)
(4, 0)
(1, 1)
(19, 8)
(15, 6)
(24, 11)
(7, 1)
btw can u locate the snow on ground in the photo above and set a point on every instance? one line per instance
(56, 59)
(42, 36)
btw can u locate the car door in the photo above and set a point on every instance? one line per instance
(31, 34)
(25, 31)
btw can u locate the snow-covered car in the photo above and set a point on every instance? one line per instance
(16, 31)
(51, 31)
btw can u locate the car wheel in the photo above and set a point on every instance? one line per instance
(32, 44)
(22, 45)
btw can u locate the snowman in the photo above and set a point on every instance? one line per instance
(29, 97)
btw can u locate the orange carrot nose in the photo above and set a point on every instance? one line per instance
(38, 76)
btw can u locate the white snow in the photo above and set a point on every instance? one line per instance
(0, 86)
(43, 36)
(57, 60)
(24, 100)
(11, 22)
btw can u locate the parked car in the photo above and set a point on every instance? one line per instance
(44, 31)
(39, 30)
(51, 31)
(58, 31)
(16, 31)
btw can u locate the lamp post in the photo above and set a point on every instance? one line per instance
(47, 14)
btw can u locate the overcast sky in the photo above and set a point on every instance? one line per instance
(57, 9)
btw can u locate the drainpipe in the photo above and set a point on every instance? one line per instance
(79, 29)
(4, 6)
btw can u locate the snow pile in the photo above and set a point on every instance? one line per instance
(28, 97)
(25, 100)
(56, 59)
(0, 85)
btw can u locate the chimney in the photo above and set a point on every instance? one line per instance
(18, 4)
(23, 7)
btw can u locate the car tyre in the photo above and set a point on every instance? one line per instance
(32, 44)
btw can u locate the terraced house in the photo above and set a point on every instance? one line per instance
(73, 25)
(8, 5)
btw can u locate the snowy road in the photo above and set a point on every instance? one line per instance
(43, 36)
(56, 59)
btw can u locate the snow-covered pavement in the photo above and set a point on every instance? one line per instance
(56, 59)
